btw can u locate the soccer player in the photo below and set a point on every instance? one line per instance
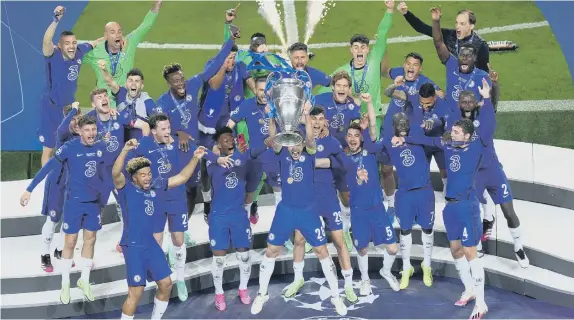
(63, 63)
(415, 197)
(425, 109)
(461, 71)
(411, 72)
(365, 65)
(54, 189)
(135, 104)
(461, 214)
(228, 220)
(111, 130)
(491, 177)
(253, 112)
(462, 34)
(299, 58)
(340, 110)
(180, 102)
(118, 50)
(139, 199)
(161, 149)
(327, 207)
(84, 158)
(368, 217)
(220, 95)
(297, 211)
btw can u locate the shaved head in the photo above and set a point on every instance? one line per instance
(114, 36)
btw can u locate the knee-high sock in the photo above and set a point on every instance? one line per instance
(463, 268)
(346, 217)
(265, 272)
(331, 275)
(298, 270)
(406, 245)
(478, 276)
(428, 244)
(217, 265)
(66, 267)
(86, 264)
(363, 266)
(180, 257)
(159, 308)
(516, 238)
(388, 262)
(244, 268)
(47, 235)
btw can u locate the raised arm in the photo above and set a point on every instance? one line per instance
(437, 37)
(188, 170)
(64, 127)
(310, 143)
(214, 67)
(385, 66)
(495, 90)
(110, 82)
(48, 40)
(382, 32)
(117, 170)
(371, 115)
(272, 133)
(417, 24)
(392, 92)
(136, 36)
(487, 116)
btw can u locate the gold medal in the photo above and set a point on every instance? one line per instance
(261, 121)
(289, 180)
(168, 166)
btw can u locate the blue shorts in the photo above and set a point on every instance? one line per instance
(328, 206)
(384, 158)
(494, 180)
(372, 224)
(438, 156)
(145, 263)
(288, 219)
(54, 190)
(81, 215)
(339, 175)
(415, 206)
(51, 116)
(229, 227)
(254, 174)
(462, 222)
(173, 211)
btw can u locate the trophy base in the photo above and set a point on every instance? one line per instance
(288, 139)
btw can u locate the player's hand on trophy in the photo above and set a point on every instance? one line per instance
(225, 162)
(199, 152)
(76, 105)
(25, 198)
(59, 13)
(364, 122)
(436, 12)
(366, 97)
(131, 144)
(231, 14)
(307, 108)
(485, 89)
(493, 75)
(402, 8)
(427, 124)
(268, 142)
(399, 81)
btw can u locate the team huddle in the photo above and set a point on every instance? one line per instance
(215, 131)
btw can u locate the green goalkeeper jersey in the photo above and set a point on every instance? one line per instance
(125, 60)
(370, 82)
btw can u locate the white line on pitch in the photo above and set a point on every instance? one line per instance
(400, 39)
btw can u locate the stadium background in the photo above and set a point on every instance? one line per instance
(537, 71)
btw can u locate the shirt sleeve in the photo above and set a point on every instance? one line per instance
(136, 36)
(382, 33)
(52, 164)
(395, 72)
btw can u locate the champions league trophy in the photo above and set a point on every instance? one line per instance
(288, 96)
(286, 90)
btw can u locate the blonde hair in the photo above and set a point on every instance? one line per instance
(97, 91)
(135, 164)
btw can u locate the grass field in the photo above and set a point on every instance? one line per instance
(537, 71)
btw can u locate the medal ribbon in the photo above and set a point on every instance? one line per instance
(179, 107)
(357, 86)
(114, 60)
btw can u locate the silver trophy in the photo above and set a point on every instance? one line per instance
(289, 96)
